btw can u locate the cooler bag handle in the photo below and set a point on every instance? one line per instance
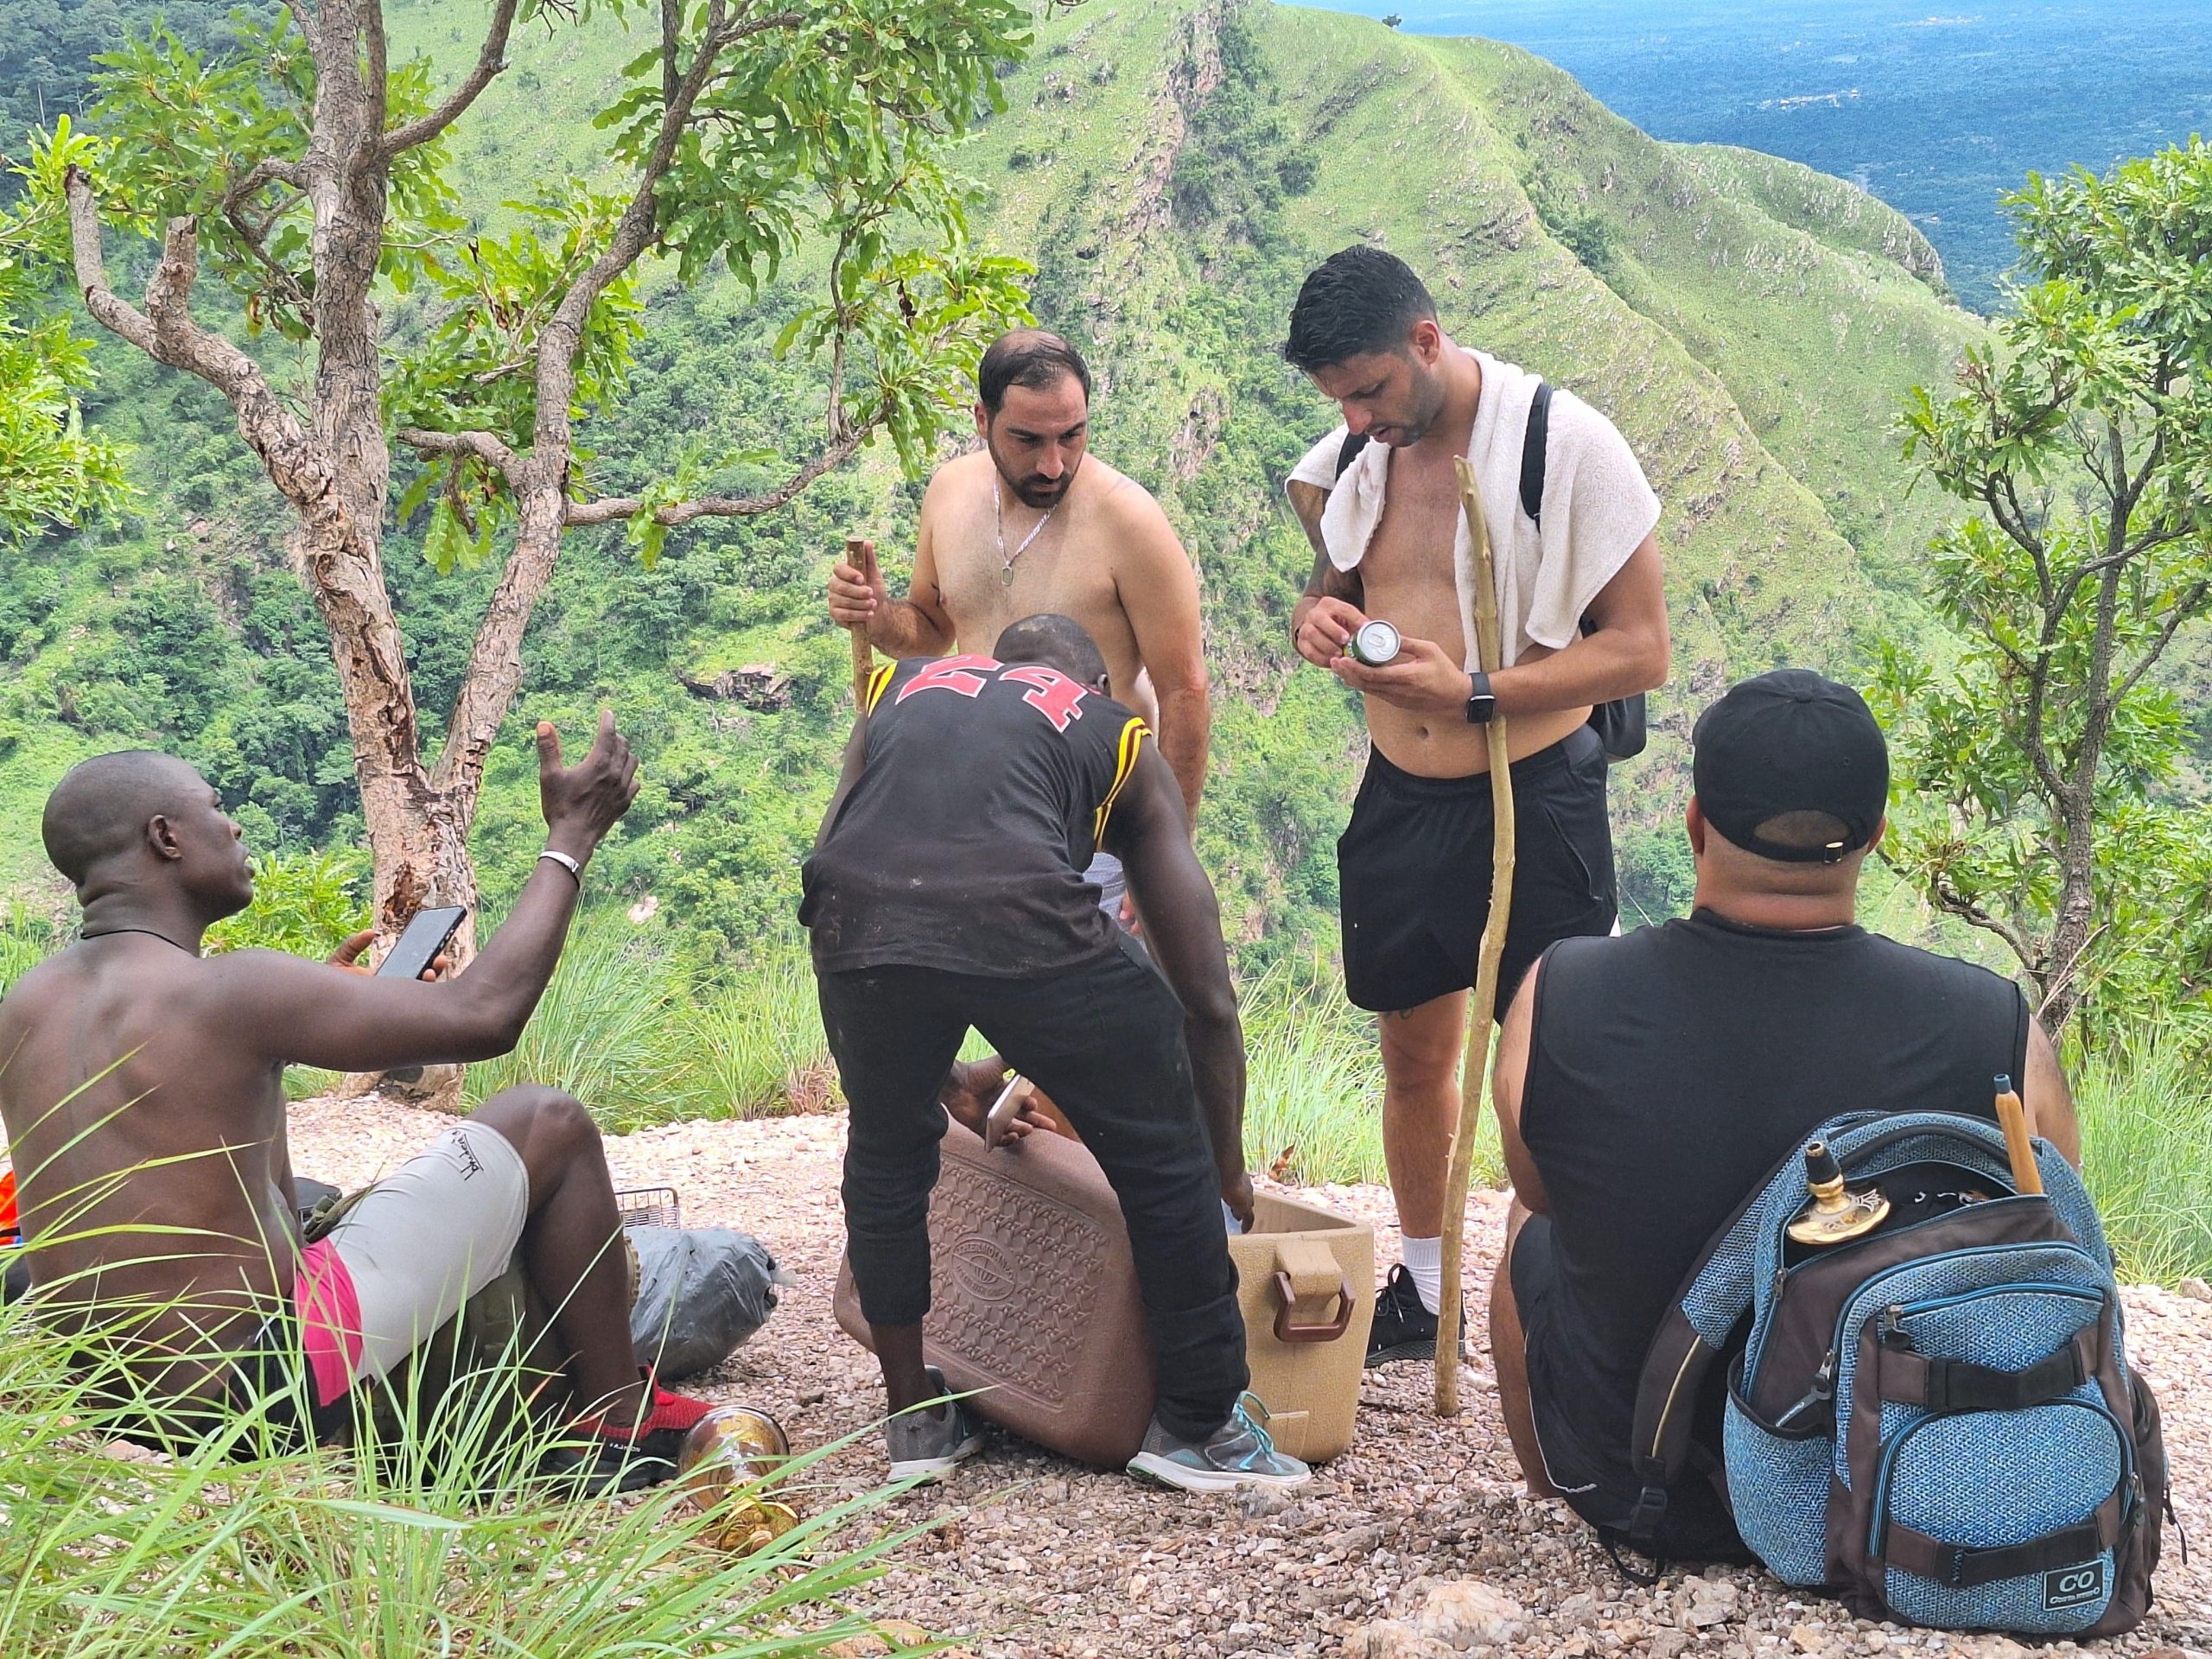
(1307, 1270)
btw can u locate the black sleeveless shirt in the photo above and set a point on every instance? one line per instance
(962, 847)
(1671, 1069)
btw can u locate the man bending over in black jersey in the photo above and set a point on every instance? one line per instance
(946, 891)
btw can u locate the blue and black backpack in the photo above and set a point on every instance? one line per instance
(1935, 1421)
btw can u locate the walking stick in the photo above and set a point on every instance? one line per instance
(862, 554)
(1474, 1074)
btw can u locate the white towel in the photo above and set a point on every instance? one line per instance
(1598, 508)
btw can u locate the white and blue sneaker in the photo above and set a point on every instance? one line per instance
(926, 1441)
(1239, 1454)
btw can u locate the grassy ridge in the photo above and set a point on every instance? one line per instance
(1173, 169)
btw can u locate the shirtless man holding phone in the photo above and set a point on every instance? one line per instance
(143, 1096)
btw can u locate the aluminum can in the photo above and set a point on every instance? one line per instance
(1375, 644)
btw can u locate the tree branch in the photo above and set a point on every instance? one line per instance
(563, 333)
(2187, 607)
(376, 75)
(255, 236)
(165, 330)
(486, 446)
(489, 62)
(268, 170)
(1949, 897)
(610, 509)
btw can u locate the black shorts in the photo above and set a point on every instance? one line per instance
(268, 1380)
(1413, 868)
(1597, 1481)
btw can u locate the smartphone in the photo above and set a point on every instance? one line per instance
(1006, 1109)
(428, 932)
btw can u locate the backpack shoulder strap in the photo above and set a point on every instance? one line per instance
(1532, 453)
(1353, 443)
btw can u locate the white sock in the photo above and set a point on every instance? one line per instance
(1424, 1259)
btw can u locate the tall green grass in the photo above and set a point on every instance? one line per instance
(2146, 1150)
(627, 1028)
(449, 1539)
(1314, 1089)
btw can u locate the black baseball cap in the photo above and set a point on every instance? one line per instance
(1791, 741)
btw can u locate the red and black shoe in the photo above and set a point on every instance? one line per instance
(609, 1457)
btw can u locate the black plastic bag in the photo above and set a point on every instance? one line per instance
(700, 1292)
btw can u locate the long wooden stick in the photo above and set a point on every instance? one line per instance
(861, 555)
(1474, 1072)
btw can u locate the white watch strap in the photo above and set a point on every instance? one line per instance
(566, 863)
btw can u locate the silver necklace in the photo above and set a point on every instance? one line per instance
(998, 532)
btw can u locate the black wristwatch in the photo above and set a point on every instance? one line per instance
(1482, 704)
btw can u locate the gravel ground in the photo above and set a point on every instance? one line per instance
(1041, 1557)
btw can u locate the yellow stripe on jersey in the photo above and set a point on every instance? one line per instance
(875, 685)
(1133, 737)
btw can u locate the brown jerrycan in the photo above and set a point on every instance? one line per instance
(1033, 1302)
(1033, 1296)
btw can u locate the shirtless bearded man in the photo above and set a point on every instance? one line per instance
(1413, 864)
(1031, 524)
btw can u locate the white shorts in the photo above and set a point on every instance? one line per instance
(422, 1241)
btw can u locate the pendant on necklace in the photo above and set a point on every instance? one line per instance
(1006, 576)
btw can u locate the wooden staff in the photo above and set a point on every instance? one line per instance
(1474, 1073)
(861, 555)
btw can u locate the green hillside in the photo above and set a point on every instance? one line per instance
(1173, 170)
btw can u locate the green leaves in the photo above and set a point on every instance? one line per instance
(51, 471)
(2034, 778)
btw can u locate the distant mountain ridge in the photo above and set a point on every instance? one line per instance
(1173, 168)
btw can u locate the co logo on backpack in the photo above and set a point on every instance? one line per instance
(2072, 1586)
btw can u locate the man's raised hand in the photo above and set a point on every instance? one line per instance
(582, 803)
(857, 594)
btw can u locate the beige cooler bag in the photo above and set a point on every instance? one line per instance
(1306, 1280)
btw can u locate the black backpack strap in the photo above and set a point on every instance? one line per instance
(1532, 453)
(1353, 443)
(1674, 1369)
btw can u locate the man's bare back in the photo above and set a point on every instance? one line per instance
(129, 1103)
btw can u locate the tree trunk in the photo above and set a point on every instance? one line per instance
(2060, 980)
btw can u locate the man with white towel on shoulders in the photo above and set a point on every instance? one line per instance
(1584, 619)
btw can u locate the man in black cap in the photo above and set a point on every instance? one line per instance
(1647, 1083)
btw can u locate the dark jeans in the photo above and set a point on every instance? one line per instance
(1106, 1043)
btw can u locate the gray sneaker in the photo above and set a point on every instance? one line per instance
(1239, 1454)
(926, 1441)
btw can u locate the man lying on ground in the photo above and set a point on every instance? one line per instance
(946, 890)
(1646, 1083)
(142, 1096)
